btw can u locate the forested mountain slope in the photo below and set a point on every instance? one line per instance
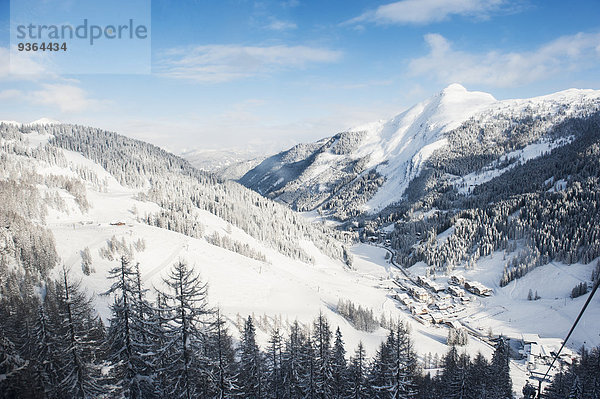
(491, 175)
(82, 196)
(178, 188)
(538, 208)
(368, 168)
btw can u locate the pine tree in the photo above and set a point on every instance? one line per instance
(479, 377)
(378, 372)
(187, 313)
(159, 320)
(589, 371)
(322, 350)
(251, 384)
(308, 367)
(274, 366)
(144, 311)
(86, 261)
(44, 353)
(292, 362)
(339, 370)
(501, 384)
(128, 345)
(20, 371)
(80, 370)
(450, 371)
(458, 387)
(358, 384)
(12, 365)
(576, 389)
(402, 363)
(559, 388)
(223, 368)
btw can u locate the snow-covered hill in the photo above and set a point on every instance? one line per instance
(369, 167)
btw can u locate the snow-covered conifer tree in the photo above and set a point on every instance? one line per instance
(128, 346)
(357, 384)
(339, 370)
(187, 313)
(251, 378)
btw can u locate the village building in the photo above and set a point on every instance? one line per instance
(456, 291)
(478, 288)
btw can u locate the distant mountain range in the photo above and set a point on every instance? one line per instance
(227, 163)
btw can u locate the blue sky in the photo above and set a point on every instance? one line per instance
(267, 74)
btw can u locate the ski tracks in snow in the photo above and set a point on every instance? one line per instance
(167, 262)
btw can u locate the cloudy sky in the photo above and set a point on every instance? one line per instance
(267, 74)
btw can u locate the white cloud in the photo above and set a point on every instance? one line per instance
(68, 98)
(11, 94)
(27, 66)
(222, 63)
(57, 91)
(427, 11)
(506, 69)
(278, 25)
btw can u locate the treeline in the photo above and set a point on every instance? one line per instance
(463, 377)
(230, 244)
(457, 336)
(579, 290)
(54, 345)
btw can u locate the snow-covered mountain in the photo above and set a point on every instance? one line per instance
(369, 167)
(41, 121)
(45, 121)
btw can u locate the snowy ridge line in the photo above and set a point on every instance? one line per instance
(369, 167)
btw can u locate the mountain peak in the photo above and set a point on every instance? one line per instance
(454, 88)
(45, 121)
(457, 92)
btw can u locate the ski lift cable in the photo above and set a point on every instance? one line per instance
(585, 305)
